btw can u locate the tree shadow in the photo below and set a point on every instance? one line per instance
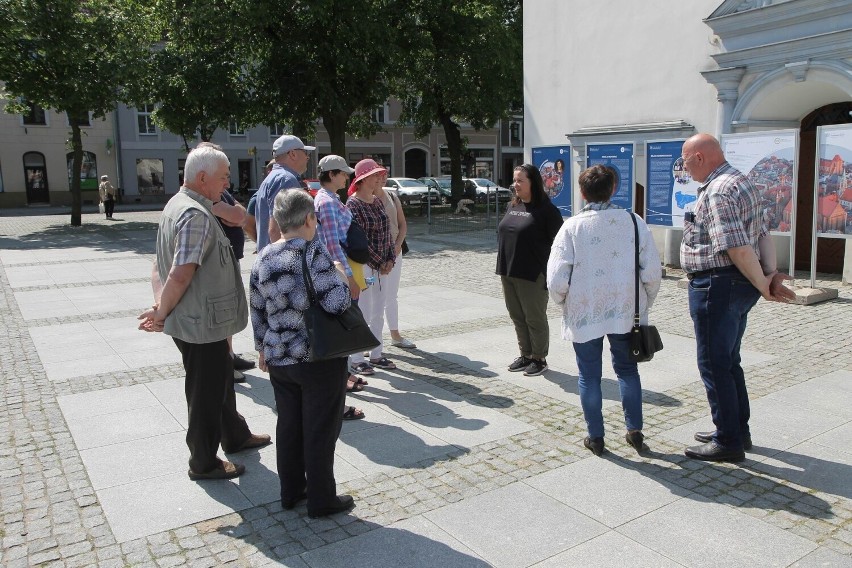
(115, 238)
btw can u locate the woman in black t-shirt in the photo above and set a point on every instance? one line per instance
(524, 237)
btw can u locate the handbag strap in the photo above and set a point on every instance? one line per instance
(635, 270)
(309, 283)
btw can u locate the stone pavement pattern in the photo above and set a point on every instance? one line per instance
(459, 463)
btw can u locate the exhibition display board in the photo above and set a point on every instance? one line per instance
(554, 163)
(833, 182)
(619, 157)
(669, 190)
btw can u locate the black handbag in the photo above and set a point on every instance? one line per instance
(645, 340)
(357, 246)
(333, 335)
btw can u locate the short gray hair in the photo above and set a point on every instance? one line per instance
(203, 159)
(292, 208)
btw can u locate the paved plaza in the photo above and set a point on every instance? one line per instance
(458, 463)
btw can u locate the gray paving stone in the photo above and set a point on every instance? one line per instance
(680, 531)
(608, 491)
(608, 549)
(415, 542)
(540, 525)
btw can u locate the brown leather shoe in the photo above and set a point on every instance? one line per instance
(254, 441)
(225, 470)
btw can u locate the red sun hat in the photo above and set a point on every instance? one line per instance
(363, 169)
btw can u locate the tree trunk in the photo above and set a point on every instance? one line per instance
(454, 149)
(335, 125)
(76, 166)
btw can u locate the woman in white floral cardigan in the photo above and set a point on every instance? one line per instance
(591, 274)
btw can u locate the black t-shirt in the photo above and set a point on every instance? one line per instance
(234, 234)
(524, 237)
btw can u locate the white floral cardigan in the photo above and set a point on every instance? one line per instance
(590, 272)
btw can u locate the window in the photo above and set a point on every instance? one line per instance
(149, 176)
(234, 129)
(88, 171)
(277, 130)
(36, 116)
(515, 134)
(380, 114)
(475, 162)
(144, 120)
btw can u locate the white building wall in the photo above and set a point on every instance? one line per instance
(614, 62)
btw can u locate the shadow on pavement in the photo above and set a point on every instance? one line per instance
(609, 389)
(768, 494)
(819, 474)
(98, 237)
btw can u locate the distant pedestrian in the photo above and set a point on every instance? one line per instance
(107, 195)
(524, 237)
(729, 257)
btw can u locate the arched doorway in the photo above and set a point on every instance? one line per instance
(35, 176)
(830, 252)
(415, 163)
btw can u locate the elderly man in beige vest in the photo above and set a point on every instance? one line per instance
(200, 301)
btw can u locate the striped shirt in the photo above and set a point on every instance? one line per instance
(728, 214)
(191, 232)
(334, 220)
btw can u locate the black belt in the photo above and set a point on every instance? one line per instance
(711, 271)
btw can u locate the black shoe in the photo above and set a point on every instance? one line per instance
(594, 444)
(344, 503)
(711, 451)
(520, 364)
(289, 504)
(241, 364)
(536, 367)
(239, 377)
(705, 437)
(637, 440)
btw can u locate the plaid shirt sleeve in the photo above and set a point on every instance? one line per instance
(193, 226)
(334, 221)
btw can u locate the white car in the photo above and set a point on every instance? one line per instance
(409, 190)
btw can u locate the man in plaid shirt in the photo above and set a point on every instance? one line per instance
(729, 258)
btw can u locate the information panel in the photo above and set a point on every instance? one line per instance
(619, 157)
(834, 186)
(554, 163)
(768, 160)
(669, 190)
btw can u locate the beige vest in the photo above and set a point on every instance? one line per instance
(214, 305)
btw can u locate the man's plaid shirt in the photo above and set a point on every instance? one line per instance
(728, 214)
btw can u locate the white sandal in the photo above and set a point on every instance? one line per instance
(404, 343)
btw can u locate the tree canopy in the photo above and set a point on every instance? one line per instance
(71, 56)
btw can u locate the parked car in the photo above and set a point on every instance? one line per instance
(410, 191)
(440, 185)
(487, 189)
(313, 186)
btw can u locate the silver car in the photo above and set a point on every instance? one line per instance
(409, 190)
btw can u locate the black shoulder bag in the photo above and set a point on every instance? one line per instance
(357, 246)
(644, 339)
(333, 335)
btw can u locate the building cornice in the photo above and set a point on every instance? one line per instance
(832, 45)
(728, 23)
(636, 128)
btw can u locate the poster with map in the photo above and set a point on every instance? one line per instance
(768, 159)
(669, 190)
(834, 181)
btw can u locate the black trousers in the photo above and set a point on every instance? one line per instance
(109, 207)
(212, 404)
(310, 399)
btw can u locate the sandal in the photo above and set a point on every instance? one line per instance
(404, 343)
(362, 368)
(383, 363)
(353, 413)
(353, 386)
(358, 380)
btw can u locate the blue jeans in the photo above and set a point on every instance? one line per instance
(719, 306)
(589, 361)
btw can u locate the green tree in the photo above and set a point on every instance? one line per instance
(463, 64)
(324, 59)
(198, 70)
(73, 56)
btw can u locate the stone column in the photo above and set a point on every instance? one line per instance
(727, 83)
